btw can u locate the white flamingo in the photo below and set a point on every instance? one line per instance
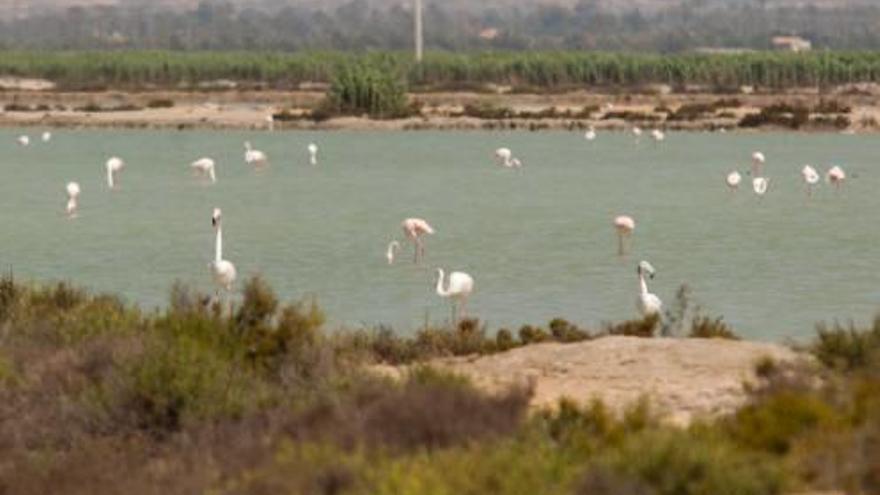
(414, 229)
(733, 180)
(47, 136)
(313, 153)
(647, 303)
(505, 158)
(205, 167)
(270, 122)
(73, 191)
(390, 253)
(658, 135)
(590, 135)
(811, 178)
(459, 287)
(758, 161)
(223, 270)
(836, 176)
(760, 185)
(625, 226)
(23, 140)
(114, 165)
(254, 157)
(637, 133)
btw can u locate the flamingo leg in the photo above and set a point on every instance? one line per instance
(620, 248)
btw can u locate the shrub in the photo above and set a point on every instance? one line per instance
(532, 335)
(564, 331)
(645, 327)
(675, 462)
(846, 348)
(704, 327)
(361, 89)
(160, 103)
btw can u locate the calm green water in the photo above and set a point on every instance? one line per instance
(538, 242)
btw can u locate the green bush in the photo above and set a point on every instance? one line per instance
(360, 89)
(847, 348)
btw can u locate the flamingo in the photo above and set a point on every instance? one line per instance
(811, 178)
(625, 225)
(114, 165)
(637, 133)
(73, 191)
(205, 168)
(648, 304)
(223, 271)
(414, 229)
(270, 122)
(506, 159)
(590, 135)
(836, 176)
(758, 161)
(313, 153)
(458, 289)
(23, 140)
(760, 185)
(733, 180)
(254, 157)
(390, 253)
(47, 136)
(658, 135)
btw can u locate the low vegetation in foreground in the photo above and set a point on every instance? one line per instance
(97, 396)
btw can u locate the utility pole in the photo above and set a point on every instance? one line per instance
(417, 13)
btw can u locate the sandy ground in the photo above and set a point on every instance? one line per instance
(240, 109)
(683, 378)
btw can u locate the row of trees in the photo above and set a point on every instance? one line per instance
(363, 24)
(443, 70)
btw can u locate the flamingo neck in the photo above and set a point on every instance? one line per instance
(110, 181)
(643, 285)
(218, 245)
(440, 290)
(212, 175)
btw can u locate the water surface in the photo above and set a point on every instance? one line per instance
(538, 242)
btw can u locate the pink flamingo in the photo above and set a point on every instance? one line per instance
(625, 225)
(414, 229)
(836, 176)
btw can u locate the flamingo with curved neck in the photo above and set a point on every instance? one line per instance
(647, 303)
(459, 287)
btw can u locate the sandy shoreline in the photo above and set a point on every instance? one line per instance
(440, 111)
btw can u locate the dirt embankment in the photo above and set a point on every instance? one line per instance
(683, 378)
(239, 109)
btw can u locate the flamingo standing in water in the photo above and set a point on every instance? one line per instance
(590, 135)
(23, 140)
(647, 303)
(836, 176)
(223, 271)
(760, 185)
(313, 153)
(637, 133)
(73, 191)
(414, 229)
(625, 226)
(811, 178)
(113, 166)
(758, 161)
(658, 135)
(506, 159)
(458, 289)
(270, 122)
(205, 168)
(391, 251)
(47, 136)
(254, 157)
(733, 180)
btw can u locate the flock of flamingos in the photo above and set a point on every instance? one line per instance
(458, 286)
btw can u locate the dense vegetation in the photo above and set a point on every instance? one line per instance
(100, 397)
(673, 26)
(542, 71)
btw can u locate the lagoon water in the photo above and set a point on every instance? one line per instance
(539, 241)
